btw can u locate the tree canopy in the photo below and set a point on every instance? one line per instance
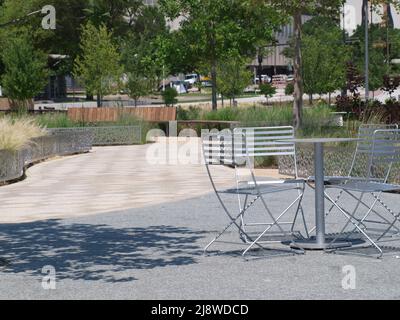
(99, 67)
(233, 76)
(212, 29)
(295, 9)
(324, 56)
(25, 71)
(384, 47)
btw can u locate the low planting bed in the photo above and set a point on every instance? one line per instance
(337, 162)
(56, 143)
(62, 142)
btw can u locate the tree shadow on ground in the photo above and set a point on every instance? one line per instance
(94, 252)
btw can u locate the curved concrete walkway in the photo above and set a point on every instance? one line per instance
(106, 179)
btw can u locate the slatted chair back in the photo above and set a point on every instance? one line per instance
(267, 142)
(218, 149)
(360, 166)
(384, 154)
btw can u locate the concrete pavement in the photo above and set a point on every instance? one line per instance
(149, 244)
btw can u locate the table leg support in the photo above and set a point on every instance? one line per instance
(319, 242)
(319, 194)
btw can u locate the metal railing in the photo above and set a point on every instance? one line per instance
(62, 142)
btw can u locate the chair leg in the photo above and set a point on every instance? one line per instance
(232, 222)
(330, 209)
(389, 227)
(242, 223)
(347, 215)
(300, 208)
(270, 214)
(220, 234)
(372, 210)
(359, 200)
(395, 215)
(276, 222)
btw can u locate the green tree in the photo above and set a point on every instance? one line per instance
(169, 96)
(116, 15)
(63, 40)
(138, 86)
(142, 50)
(289, 89)
(213, 29)
(233, 77)
(324, 57)
(25, 71)
(267, 90)
(385, 46)
(99, 67)
(295, 9)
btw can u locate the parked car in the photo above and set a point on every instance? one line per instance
(191, 79)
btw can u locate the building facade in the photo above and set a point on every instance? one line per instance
(275, 62)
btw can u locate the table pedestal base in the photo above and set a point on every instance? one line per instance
(312, 244)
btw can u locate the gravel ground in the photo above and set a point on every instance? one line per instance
(156, 253)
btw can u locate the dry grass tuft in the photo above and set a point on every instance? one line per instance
(18, 133)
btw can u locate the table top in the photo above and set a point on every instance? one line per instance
(319, 140)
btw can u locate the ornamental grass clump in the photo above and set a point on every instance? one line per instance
(18, 133)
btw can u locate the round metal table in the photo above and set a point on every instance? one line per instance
(319, 242)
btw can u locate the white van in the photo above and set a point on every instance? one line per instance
(191, 78)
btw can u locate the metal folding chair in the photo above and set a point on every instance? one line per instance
(238, 151)
(359, 166)
(382, 151)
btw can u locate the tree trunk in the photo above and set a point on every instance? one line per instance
(213, 67)
(199, 81)
(99, 100)
(298, 81)
(310, 96)
(214, 85)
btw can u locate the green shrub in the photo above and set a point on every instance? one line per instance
(289, 89)
(223, 114)
(169, 96)
(193, 113)
(56, 120)
(267, 90)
